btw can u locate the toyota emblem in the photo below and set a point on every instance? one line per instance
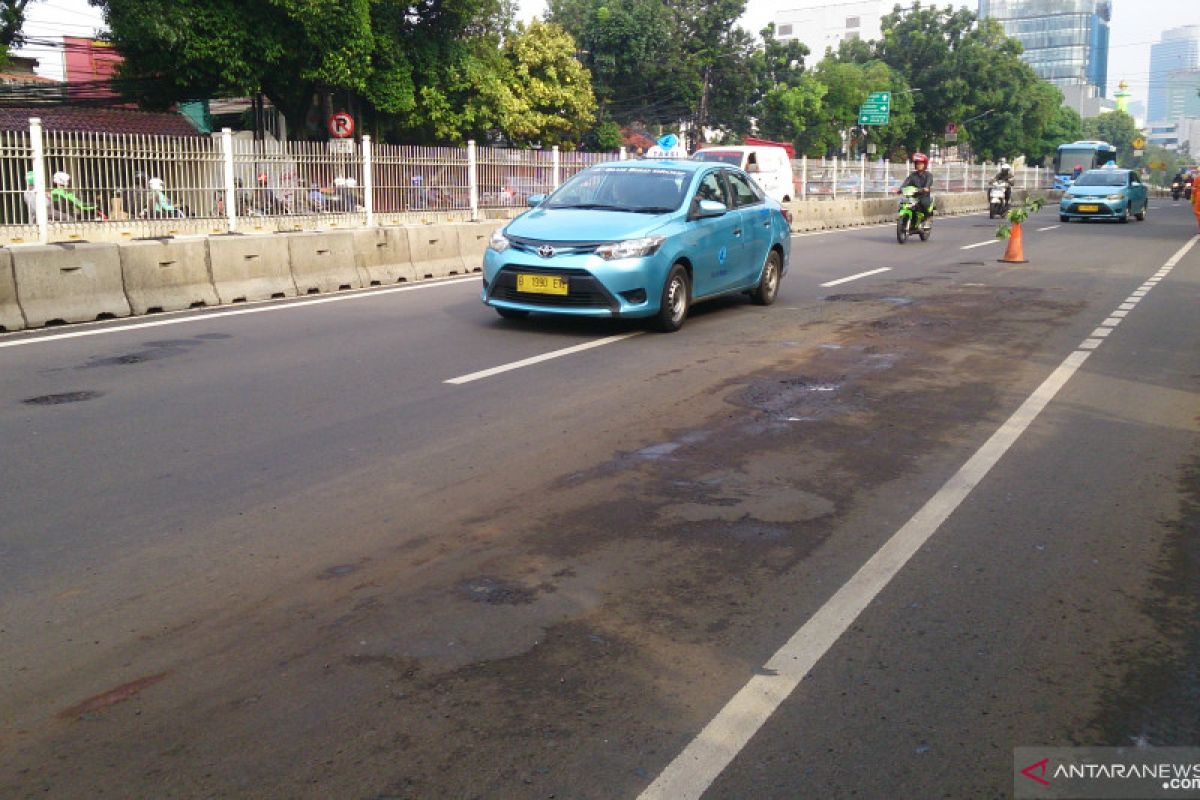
(546, 251)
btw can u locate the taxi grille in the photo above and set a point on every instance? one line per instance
(584, 291)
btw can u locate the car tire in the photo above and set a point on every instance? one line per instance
(1063, 218)
(1141, 216)
(1124, 218)
(768, 287)
(675, 301)
(511, 313)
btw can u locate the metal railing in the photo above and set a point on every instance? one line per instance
(859, 179)
(57, 185)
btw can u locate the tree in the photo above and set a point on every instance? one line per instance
(12, 19)
(1118, 129)
(1065, 126)
(551, 94)
(415, 73)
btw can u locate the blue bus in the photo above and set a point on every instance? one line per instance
(1080, 156)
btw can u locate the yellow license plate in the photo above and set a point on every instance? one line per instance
(541, 284)
(1089, 208)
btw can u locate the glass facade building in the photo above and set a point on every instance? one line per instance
(1065, 41)
(1177, 52)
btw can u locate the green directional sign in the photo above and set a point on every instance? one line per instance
(876, 110)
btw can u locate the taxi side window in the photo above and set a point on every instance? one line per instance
(711, 189)
(744, 192)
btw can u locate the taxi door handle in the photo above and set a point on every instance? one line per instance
(737, 231)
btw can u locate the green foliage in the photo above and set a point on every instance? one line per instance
(1064, 126)
(549, 93)
(1018, 215)
(1118, 129)
(12, 19)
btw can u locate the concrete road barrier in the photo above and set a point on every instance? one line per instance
(323, 262)
(69, 282)
(382, 256)
(11, 318)
(248, 268)
(473, 241)
(434, 250)
(167, 275)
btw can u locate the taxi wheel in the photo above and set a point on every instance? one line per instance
(768, 288)
(1142, 214)
(511, 313)
(1124, 218)
(676, 297)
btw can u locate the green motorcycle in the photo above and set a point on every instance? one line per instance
(910, 220)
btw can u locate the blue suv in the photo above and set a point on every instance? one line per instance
(639, 239)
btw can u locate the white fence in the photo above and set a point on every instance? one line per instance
(57, 185)
(849, 179)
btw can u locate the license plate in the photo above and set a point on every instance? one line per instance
(541, 284)
(1089, 208)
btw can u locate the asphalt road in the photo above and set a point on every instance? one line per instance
(354, 548)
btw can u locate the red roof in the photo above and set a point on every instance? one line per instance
(97, 120)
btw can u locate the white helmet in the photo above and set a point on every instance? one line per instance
(61, 178)
(155, 184)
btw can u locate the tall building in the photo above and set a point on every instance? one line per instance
(824, 26)
(1178, 50)
(1065, 41)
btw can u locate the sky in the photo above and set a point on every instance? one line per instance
(1135, 25)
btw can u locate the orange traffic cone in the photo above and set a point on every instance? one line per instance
(1015, 252)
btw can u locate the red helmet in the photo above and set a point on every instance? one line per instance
(920, 158)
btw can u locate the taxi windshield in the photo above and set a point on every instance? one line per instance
(1098, 177)
(638, 190)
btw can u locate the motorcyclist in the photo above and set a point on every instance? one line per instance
(64, 204)
(1178, 183)
(923, 181)
(1004, 174)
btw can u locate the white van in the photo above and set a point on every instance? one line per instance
(769, 166)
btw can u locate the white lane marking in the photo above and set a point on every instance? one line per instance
(978, 244)
(856, 277)
(1111, 322)
(1050, 228)
(691, 772)
(1120, 313)
(1100, 333)
(261, 307)
(525, 362)
(841, 230)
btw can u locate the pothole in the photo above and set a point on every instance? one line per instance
(61, 399)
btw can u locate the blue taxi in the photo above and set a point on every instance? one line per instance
(644, 238)
(1107, 193)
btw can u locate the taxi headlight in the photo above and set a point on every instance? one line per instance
(1117, 196)
(499, 242)
(631, 248)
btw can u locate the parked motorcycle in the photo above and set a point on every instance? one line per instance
(997, 199)
(909, 219)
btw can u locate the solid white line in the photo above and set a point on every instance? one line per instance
(525, 362)
(978, 244)
(1183, 251)
(856, 277)
(1050, 228)
(283, 305)
(690, 774)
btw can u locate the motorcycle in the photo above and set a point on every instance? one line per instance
(909, 219)
(997, 199)
(1176, 190)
